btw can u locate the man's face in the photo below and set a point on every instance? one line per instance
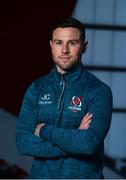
(66, 47)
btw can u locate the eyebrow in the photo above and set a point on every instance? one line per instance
(56, 40)
(68, 40)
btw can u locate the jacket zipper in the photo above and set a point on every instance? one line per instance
(62, 92)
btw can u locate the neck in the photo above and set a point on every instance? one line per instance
(61, 71)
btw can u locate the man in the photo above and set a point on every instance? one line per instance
(66, 114)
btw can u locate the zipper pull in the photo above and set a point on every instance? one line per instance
(61, 82)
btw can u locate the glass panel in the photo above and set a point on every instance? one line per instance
(82, 10)
(119, 89)
(104, 11)
(115, 142)
(120, 49)
(99, 49)
(102, 48)
(121, 12)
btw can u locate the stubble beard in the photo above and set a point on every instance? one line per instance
(66, 66)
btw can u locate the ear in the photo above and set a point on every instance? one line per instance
(50, 43)
(85, 46)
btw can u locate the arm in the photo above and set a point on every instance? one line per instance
(28, 143)
(77, 141)
(83, 125)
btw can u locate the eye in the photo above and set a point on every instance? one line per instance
(73, 43)
(58, 43)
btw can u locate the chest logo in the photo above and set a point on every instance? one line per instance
(45, 99)
(75, 104)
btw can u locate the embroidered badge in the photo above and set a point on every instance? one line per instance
(46, 99)
(75, 104)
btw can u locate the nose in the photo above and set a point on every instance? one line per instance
(65, 49)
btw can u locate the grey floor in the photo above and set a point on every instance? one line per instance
(109, 174)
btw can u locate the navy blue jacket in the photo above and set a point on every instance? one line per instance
(61, 101)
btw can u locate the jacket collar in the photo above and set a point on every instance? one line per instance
(70, 76)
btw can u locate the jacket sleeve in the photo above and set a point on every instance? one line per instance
(77, 141)
(27, 143)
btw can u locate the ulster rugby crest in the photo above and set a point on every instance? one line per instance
(75, 104)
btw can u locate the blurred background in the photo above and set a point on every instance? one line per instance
(25, 55)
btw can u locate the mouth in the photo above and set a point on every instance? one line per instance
(65, 57)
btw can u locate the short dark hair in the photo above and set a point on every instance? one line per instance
(70, 22)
